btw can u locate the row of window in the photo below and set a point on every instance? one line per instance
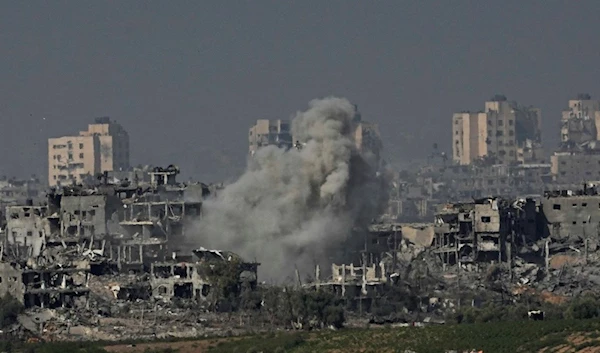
(69, 145)
(558, 206)
(58, 157)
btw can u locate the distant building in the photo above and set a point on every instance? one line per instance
(575, 167)
(269, 132)
(470, 135)
(580, 122)
(578, 157)
(505, 133)
(103, 147)
(367, 139)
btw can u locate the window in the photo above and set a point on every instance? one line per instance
(584, 204)
(486, 219)
(81, 146)
(510, 122)
(70, 156)
(511, 133)
(557, 206)
(29, 233)
(574, 205)
(574, 222)
(81, 155)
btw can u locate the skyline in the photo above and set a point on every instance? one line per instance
(185, 78)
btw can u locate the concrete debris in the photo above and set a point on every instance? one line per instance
(110, 261)
(107, 261)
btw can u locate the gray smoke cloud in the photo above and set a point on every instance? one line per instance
(295, 208)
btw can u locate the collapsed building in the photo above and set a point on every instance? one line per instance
(505, 247)
(50, 250)
(191, 279)
(485, 230)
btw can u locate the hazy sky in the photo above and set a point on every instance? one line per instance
(187, 79)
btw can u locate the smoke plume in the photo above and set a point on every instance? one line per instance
(298, 207)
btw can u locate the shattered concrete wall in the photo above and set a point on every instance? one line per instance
(487, 218)
(571, 216)
(181, 280)
(27, 227)
(87, 215)
(418, 234)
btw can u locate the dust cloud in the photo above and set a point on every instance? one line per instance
(297, 208)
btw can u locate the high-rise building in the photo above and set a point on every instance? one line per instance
(367, 138)
(470, 135)
(269, 132)
(505, 133)
(104, 146)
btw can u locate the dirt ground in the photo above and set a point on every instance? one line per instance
(576, 340)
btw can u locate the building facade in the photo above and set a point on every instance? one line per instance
(579, 123)
(505, 132)
(103, 147)
(578, 157)
(269, 132)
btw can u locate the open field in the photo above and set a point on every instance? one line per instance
(558, 336)
(505, 337)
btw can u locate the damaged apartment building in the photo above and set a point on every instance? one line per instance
(572, 219)
(50, 250)
(494, 230)
(485, 230)
(388, 247)
(189, 277)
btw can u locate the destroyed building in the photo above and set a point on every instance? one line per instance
(486, 230)
(133, 226)
(572, 214)
(189, 278)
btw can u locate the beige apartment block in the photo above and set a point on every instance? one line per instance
(368, 139)
(580, 123)
(505, 132)
(269, 132)
(103, 147)
(470, 134)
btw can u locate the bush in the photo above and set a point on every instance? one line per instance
(10, 308)
(584, 308)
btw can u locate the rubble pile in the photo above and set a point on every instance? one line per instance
(108, 261)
